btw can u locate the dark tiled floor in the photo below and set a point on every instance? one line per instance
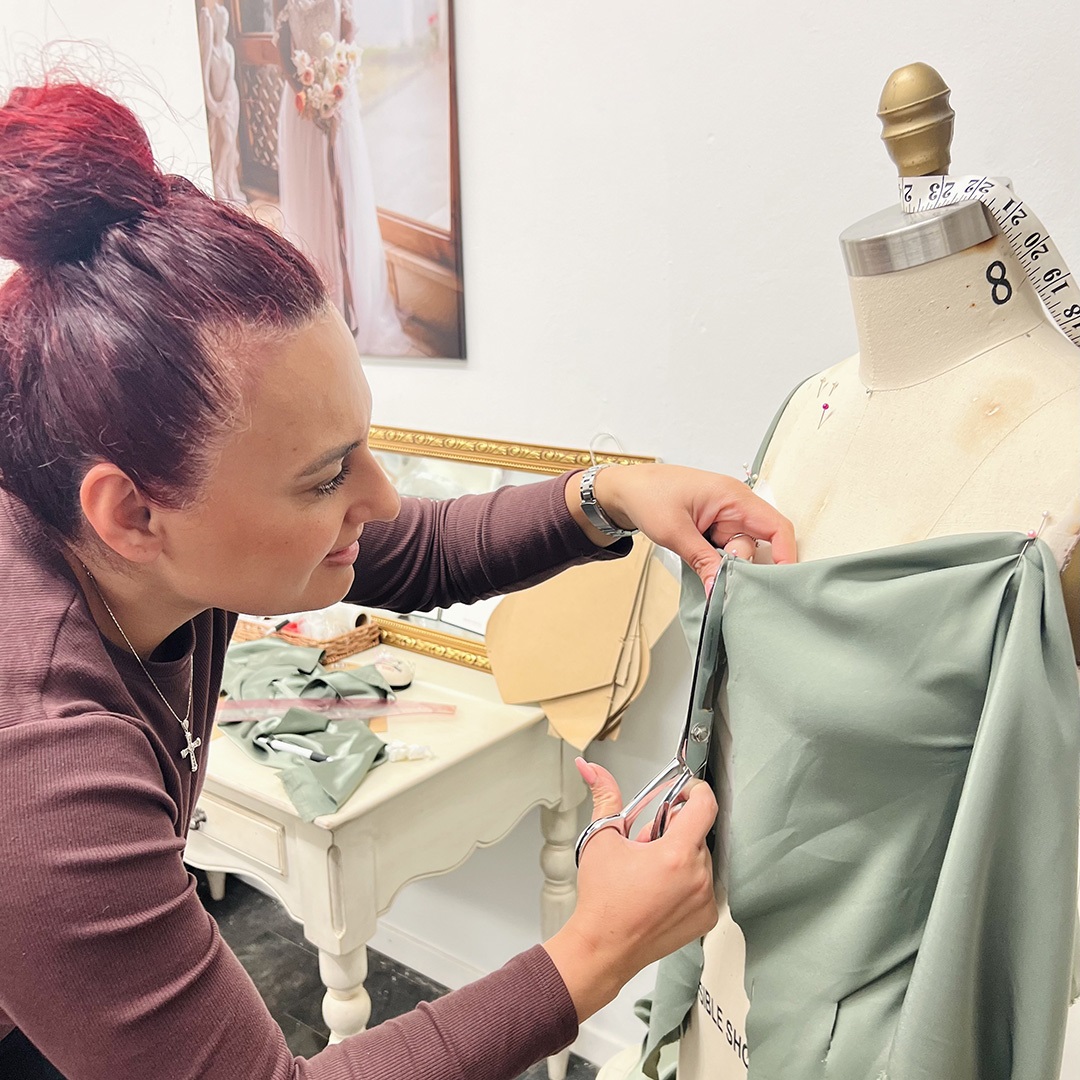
(285, 968)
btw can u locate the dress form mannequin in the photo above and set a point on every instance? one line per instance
(222, 99)
(958, 415)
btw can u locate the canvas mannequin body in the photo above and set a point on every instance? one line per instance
(957, 415)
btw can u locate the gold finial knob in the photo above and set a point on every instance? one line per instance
(916, 120)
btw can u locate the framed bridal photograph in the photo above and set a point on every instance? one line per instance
(336, 121)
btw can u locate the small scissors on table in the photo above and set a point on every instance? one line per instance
(693, 751)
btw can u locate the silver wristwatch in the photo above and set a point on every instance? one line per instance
(593, 510)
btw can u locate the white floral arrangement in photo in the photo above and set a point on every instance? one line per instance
(324, 80)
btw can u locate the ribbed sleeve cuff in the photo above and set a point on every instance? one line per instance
(570, 531)
(492, 1029)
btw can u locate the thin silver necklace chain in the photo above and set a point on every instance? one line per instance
(192, 743)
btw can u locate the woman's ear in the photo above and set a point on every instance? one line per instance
(119, 513)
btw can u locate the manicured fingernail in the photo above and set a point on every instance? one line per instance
(709, 584)
(588, 773)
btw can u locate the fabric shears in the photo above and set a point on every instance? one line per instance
(692, 754)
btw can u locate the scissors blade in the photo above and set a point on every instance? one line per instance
(693, 751)
(708, 662)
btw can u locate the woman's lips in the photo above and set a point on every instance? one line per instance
(345, 556)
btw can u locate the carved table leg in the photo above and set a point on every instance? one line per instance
(216, 880)
(559, 894)
(621, 1065)
(346, 1005)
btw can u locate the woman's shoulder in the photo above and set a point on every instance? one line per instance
(53, 661)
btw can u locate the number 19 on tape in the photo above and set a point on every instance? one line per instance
(1029, 239)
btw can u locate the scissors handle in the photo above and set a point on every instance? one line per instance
(696, 733)
(625, 818)
(671, 799)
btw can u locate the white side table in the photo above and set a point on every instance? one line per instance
(408, 820)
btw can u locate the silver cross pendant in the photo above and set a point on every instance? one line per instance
(189, 753)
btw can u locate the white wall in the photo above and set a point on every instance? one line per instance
(652, 198)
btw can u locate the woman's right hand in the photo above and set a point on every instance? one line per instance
(637, 901)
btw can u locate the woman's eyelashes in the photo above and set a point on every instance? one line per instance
(334, 482)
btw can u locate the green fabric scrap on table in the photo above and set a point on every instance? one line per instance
(315, 787)
(271, 668)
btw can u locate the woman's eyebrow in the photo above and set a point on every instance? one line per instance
(328, 458)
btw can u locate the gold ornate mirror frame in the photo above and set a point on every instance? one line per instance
(523, 457)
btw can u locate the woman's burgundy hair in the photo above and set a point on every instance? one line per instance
(114, 329)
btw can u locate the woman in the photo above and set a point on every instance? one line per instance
(184, 422)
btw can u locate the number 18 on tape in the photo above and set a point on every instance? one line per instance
(1029, 239)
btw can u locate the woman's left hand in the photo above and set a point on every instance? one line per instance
(678, 507)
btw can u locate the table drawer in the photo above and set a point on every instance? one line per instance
(244, 831)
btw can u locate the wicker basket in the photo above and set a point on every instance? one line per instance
(365, 636)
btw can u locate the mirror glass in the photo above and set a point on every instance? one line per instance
(433, 466)
(256, 16)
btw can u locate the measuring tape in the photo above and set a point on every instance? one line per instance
(1027, 236)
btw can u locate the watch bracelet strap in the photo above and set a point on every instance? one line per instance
(593, 511)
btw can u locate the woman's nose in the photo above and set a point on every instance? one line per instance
(376, 499)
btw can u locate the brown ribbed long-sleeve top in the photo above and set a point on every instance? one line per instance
(108, 962)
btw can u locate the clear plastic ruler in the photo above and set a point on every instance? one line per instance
(1029, 238)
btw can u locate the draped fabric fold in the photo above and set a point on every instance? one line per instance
(904, 758)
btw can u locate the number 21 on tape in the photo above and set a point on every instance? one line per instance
(1029, 239)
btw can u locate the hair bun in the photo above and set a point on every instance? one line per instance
(72, 163)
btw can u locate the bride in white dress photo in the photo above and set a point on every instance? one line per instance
(353, 260)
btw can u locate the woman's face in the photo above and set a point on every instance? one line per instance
(278, 525)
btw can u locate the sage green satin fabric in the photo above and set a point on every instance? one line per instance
(272, 668)
(905, 731)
